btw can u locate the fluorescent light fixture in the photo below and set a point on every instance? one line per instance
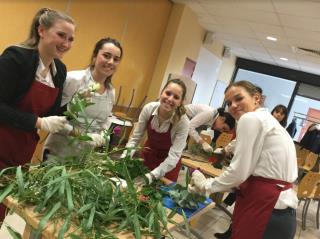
(283, 58)
(272, 38)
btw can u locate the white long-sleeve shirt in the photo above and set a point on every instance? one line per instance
(98, 113)
(179, 134)
(103, 103)
(263, 148)
(200, 115)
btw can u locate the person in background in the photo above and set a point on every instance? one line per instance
(105, 59)
(263, 169)
(203, 115)
(167, 127)
(31, 82)
(280, 112)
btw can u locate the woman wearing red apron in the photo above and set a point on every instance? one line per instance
(262, 170)
(167, 129)
(31, 81)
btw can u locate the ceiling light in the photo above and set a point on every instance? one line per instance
(283, 58)
(272, 38)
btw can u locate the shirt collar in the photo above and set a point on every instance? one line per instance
(53, 67)
(155, 113)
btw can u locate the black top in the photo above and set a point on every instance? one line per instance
(18, 68)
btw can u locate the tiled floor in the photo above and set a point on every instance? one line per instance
(211, 222)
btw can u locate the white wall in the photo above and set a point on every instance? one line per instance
(205, 75)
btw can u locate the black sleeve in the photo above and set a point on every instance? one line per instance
(15, 79)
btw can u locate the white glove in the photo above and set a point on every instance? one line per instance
(53, 124)
(219, 151)
(150, 177)
(197, 183)
(206, 147)
(126, 152)
(97, 140)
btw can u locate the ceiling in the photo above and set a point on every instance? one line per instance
(243, 25)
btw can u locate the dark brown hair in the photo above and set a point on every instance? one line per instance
(97, 48)
(180, 110)
(45, 17)
(284, 110)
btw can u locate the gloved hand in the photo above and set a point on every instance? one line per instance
(53, 124)
(97, 140)
(219, 151)
(127, 151)
(206, 147)
(150, 177)
(197, 183)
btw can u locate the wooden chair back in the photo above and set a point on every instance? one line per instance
(307, 185)
(317, 192)
(301, 156)
(223, 140)
(310, 161)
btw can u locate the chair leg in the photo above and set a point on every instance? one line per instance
(317, 215)
(304, 213)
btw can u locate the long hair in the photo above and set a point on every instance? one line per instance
(283, 110)
(180, 110)
(45, 17)
(96, 50)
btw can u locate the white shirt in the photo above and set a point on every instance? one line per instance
(103, 103)
(179, 134)
(98, 113)
(200, 115)
(263, 148)
(46, 79)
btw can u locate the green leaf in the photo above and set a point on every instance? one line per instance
(45, 218)
(6, 192)
(20, 181)
(13, 233)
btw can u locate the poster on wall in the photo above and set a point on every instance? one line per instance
(190, 84)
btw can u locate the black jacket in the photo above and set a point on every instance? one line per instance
(18, 68)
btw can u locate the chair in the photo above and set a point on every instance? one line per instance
(223, 140)
(310, 161)
(305, 192)
(317, 198)
(301, 156)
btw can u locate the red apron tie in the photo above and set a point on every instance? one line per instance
(156, 150)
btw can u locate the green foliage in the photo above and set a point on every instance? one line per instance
(197, 149)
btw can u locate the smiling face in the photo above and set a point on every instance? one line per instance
(240, 101)
(56, 40)
(171, 98)
(107, 60)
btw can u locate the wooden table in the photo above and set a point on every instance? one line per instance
(204, 167)
(51, 231)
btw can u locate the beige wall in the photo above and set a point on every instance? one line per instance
(139, 25)
(228, 63)
(156, 35)
(183, 39)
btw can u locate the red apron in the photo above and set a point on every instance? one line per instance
(156, 150)
(17, 145)
(255, 202)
